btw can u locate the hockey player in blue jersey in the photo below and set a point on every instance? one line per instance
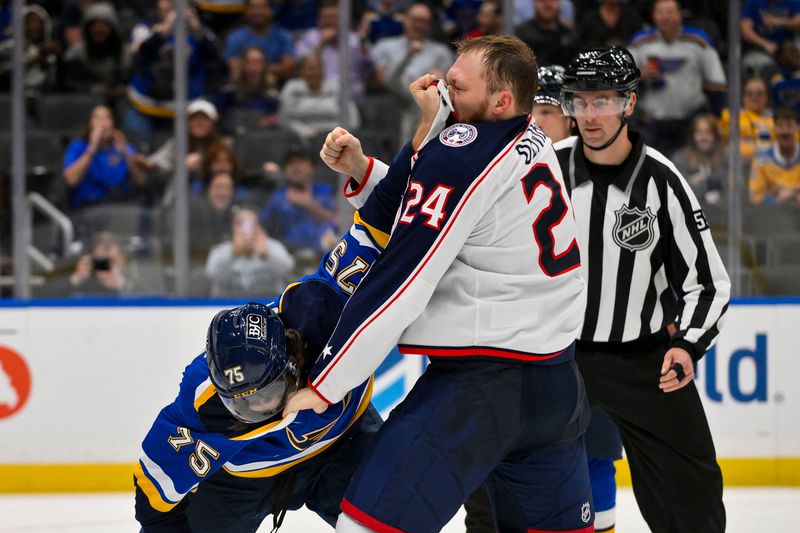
(221, 457)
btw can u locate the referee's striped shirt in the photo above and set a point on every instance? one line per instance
(647, 255)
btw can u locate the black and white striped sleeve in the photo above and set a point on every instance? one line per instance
(694, 268)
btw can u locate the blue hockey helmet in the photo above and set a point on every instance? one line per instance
(248, 362)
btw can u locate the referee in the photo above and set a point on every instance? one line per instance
(657, 295)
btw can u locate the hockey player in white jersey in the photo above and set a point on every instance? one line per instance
(481, 274)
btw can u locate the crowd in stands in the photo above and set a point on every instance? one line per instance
(264, 87)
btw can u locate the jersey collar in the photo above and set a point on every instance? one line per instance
(579, 166)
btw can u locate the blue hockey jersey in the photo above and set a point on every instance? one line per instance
(195, 436)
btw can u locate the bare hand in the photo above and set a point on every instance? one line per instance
(299, 197)
(83, 270)
(120, 141)
(342, 152)
(167, 25)
(193, 162)
(770, 48)
(669, 378)
(426, 95)
(96, 136)
(194, 21)
(328, 35)
(305, 399)
(262, 243)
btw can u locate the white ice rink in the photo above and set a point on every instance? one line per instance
(771, 510)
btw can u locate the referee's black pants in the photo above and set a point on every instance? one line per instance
(676, 479)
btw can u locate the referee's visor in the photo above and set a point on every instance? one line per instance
(594, 104)
(258, 405)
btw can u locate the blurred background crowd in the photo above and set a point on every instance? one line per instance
(264, 89)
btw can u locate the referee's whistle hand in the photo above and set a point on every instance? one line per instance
(670, 379)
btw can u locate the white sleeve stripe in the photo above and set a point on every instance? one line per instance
(160, 477)
(431, 252)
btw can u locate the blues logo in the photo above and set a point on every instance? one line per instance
(633, 229)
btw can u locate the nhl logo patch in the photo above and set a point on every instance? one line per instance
(586, 512)
(458, 135)
(633, 229)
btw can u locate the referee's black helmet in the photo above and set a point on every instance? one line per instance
(602, 69)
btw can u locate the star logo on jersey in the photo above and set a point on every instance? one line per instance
(633, 229)
(458, 135)
(327, 352)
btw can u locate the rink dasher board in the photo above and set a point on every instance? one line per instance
(101, 370)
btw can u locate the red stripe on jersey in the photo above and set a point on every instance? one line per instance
(430, 254)
(366, 520)
(363, 182)
(587, 529)
(312, 387)
(475, 351)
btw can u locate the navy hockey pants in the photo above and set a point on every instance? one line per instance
(519, 427)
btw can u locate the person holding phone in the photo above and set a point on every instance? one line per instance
(252, 262)
(102, 271)
(301, 213)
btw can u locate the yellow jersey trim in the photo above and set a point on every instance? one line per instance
(203, 398)
(381, 237)
(287, 289)
(275, 470)
(150, 490)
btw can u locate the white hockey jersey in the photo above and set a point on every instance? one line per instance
(482, 261)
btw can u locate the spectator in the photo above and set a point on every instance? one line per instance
(765, 25)
(100, 62)
(252, 262)
(150, 92)
(102, 165)
(785, 85)
(703, 162)
(460, 18)
(219, 157)
(490, 19)
(678, 64)
(398, 61)
(524, 10)
(549, 38)
(211, 215)
(775, 177)
(260, 31)
(607, 25)
(385, 20)
(310, 105)
(102, 272)
(401, 60)
(323, 41)
(301, 213)
(254, 90)
(41, 54)
(756, 127)
(203, 135)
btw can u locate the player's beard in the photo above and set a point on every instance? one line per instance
(479, 113)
